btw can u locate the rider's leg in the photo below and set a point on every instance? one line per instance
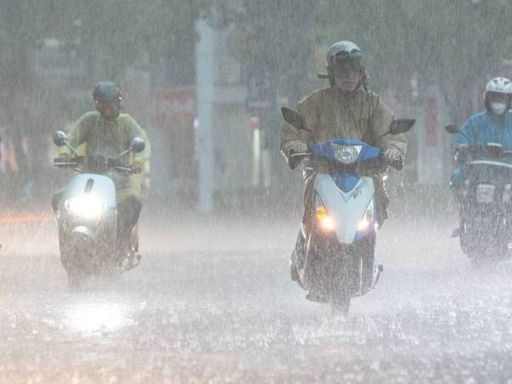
(381, 199)
(57, 197)
(128, 212)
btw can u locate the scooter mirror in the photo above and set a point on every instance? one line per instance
(60, 138)
(294, 118)
(401, 126)
(452, 129)
(138, 145)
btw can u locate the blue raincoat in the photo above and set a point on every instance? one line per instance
(479, 130)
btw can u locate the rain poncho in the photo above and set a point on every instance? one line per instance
(479, 130)
(330, 113)
(109, 139)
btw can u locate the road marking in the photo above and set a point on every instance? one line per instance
(13, 219)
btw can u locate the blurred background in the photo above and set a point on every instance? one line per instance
(206, 79)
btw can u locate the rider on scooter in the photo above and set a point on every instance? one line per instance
(344, 109)
(494, 125)
(106, 132)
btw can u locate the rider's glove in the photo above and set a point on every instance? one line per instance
(394, 156)
(295, 146)
(64, 155)
(136, 168)
(462, 153)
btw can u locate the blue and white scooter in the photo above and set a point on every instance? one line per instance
(339, 259)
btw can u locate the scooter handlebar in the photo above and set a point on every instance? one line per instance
(103, 164)
(380, 163)
(63, 162)
(377, 164)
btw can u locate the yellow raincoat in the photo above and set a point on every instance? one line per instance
(109, 139)
(329, 114)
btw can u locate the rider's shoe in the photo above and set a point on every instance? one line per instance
(293, 272)
(131, 260)
(316, 297)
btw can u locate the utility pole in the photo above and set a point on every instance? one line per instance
(205, 77)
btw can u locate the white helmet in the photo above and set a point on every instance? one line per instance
(498, 85)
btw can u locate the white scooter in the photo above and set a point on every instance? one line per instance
(87, 215)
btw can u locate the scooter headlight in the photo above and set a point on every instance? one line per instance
(368, 218)
(87, 206)
(346, 154)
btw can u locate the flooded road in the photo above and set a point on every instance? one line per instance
(213, 302)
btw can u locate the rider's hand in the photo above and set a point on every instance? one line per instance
(136, 168)
(462, 153)
(394, 156)
(63, 156)
(295, 146)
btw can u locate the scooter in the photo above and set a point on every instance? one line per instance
(485, 204)
(86, 212)
(339, 261)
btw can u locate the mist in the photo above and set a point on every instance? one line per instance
(212, 299)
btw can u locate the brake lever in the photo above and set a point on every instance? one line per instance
(126, 170)
(300, 154)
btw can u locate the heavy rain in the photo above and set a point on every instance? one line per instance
(201, 289)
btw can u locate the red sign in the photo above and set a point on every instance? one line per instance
(172, 106)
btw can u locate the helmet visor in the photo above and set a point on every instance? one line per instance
(106, 91)
(107, 97)
(347, 61)
(497, 97)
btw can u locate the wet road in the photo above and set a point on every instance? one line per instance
(213, 302)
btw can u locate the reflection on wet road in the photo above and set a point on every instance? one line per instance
(215, 304)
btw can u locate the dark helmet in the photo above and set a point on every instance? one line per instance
(343, 54)
(106, 91)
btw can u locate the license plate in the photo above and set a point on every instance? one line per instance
(485, 193)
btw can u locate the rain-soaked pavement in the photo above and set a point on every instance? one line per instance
(213, 302)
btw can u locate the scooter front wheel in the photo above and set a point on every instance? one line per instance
(75, 280)
(340, 288)
(340, 306)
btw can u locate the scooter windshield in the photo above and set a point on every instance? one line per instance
(344, 151)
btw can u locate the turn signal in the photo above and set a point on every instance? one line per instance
(326, 222)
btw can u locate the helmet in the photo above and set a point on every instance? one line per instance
(497, 85)
(106, 91)
(343, 53)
